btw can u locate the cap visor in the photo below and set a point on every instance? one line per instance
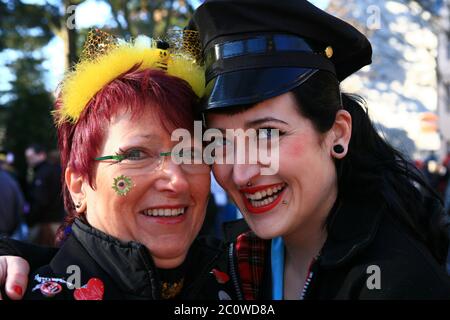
(252, 86)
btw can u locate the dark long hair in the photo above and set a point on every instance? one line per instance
(373, 169)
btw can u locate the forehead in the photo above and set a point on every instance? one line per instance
(146, 125)
(283, 106)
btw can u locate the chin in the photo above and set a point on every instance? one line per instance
(265, 231)
(168, 257)
(168, 262)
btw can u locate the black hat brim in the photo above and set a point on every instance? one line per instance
(248, 87)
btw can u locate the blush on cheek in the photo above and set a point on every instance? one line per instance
(294, 148)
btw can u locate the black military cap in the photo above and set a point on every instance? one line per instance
(258, 49)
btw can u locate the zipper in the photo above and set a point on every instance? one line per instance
(306, 286)
(233, 272)
(154, 280)
(308, 279)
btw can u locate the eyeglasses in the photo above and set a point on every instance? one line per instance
(189, 159)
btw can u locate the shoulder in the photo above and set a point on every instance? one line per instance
(397, 266)
(72, 275)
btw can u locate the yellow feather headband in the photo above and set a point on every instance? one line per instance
(104, 58)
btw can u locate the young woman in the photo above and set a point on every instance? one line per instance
(345, 216)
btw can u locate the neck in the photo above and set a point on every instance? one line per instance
(301, 254)
(304, 244)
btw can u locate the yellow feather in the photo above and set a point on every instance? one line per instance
(90, 76)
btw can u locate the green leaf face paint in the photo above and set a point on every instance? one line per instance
(122, 185)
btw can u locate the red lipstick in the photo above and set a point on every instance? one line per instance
(262, 209)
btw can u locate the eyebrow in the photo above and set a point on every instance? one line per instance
(145, 136)
(256, 122)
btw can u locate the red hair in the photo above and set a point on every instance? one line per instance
(171, 99)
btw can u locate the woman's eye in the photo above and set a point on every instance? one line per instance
(265, 133)
(134, 154)
(268, 133)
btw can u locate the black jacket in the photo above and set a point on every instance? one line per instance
(364, 240)
(126, 270)
(11, 204)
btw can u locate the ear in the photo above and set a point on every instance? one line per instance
(75, 184)
(341, 133)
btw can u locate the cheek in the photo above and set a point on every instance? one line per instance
(302, 159)
(293, 148)
(110, 185)
(199, 188)
(222, 174)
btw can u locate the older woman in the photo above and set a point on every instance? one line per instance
(133, 213)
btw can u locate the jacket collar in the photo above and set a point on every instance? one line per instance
(233, 229)
(352, 228)
(129, 264)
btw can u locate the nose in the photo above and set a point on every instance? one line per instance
(243, 173)
(172, 179)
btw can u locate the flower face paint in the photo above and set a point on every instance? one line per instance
(122, 185)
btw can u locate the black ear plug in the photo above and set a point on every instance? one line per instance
(338, 148)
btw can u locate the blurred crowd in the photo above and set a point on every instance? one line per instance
(34, 210)
(437, 174)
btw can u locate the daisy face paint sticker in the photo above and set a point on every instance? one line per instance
(122, 185)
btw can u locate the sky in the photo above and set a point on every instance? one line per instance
(90, 13)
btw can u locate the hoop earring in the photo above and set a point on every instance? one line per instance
(338, 149)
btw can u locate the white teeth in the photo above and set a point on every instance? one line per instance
(262, 194)
(255, 199)
(164, 212)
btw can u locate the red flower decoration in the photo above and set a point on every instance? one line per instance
(221, 277)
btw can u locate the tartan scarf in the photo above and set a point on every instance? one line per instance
(251, 254)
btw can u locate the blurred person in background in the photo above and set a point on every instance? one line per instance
(44, 196)
(11, 204)
(6, 163)
(446, 188)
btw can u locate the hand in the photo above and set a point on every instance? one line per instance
(14, 270)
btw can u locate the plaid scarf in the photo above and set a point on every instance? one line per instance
(251, 256)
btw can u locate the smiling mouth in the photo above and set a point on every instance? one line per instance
(263, 198)
(164, 212)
